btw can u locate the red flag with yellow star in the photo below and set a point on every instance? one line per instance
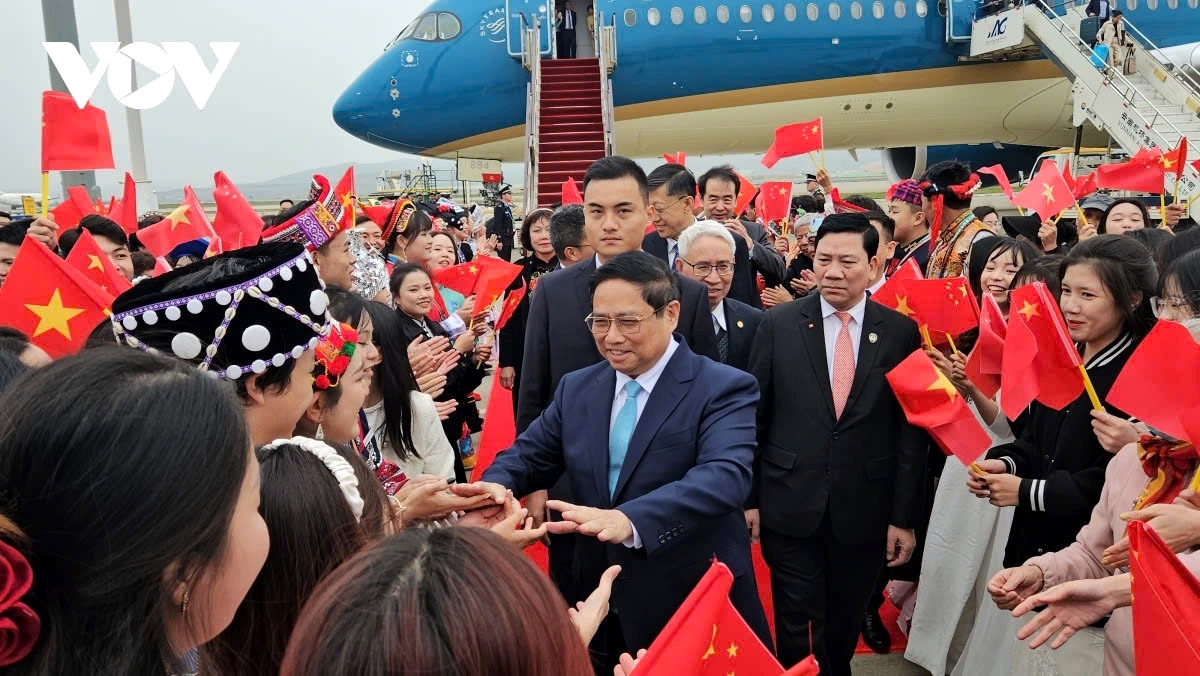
(87, 257)
(1048, 192)
(944, 305)
(707, 636)
(1174, 161)
(746, 193)
(74, 138)
(776, 200)
(50, 301)
(495, 276)
(186, 223)
(1144, 172)
(1040, 360)
(461, 277)
(986, 359)
(931, 401)
(510, 305)
(344, 190)
(892, 293)
(795, 139)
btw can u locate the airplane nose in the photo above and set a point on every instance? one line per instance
(373, 108)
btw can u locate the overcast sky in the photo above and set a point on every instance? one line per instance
(270, 114)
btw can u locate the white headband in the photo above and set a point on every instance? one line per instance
(339, 466)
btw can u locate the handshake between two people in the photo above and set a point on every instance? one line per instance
(498, 509)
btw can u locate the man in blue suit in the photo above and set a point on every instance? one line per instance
(657, 445)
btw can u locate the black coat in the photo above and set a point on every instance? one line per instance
(512, 336)
(1061, 464)
(867, 468)
(502, 227)
(743, 287)
(741, 322)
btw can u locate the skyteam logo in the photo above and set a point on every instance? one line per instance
(492, 26)
(117, 62)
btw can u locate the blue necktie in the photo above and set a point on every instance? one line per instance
(672, 255)
(621, 433)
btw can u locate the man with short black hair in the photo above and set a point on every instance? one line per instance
(657, 444)
(108, 235)
(11, 236)
(567, 236)
(285, 205)
(839, 471)
(947, 189)
(719, 188)
(886, 228)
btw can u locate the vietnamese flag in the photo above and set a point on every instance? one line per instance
(570, 193)
(74, 139)
(795, 139)
(946, 306)
(1166, 606)
(186, 223)
(987, 358)
(124, 212)
(344, 190)
(87, 257)
(679, 158)
(1047, 193)
(776, 200)
(1158, 384)
(1040, 360)
(495, 276)
(931, 402)
(893, 294)
(707, 637)
(1144, 172)
(461, 277)
(236, 222)
(997, 172)
(511, 301)
(745, 195)
(50, 301)
(70, 211)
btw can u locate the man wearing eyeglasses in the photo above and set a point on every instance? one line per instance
(657, 444)
(706, 254)
(672, 192)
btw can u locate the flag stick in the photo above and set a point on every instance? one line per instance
(1188, 206)
(1195, 486)
(45, 193)
(1175, 196)
(1162, 205)
(814, 159)
(1091, 390)
(1079, 210)
(925, 335)
(953, 347)
(975, 468)
(1020, 210)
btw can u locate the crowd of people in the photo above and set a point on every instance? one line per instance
(261, 461)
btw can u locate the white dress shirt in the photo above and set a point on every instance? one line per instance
(647, 380)
(719, 316)
(874, 288)
(833, 326)
(672, 244)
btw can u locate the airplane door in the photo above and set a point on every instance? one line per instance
(514, 9)
(959, 17)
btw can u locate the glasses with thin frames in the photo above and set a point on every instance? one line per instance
(663, 208)
(702, 270)
(1172, 304)
(626, 326)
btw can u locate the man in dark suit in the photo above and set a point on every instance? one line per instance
(839, 470)
(657, 444)
(718, 192)
(672, 193)
(565, 35)
(557, 340)
(501, 225)
(706, 254)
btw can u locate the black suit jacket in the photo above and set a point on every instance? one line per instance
(866, 468)
(743, 287)
(1093, 9)
(557, 341)
(502, 227)
(741, 323)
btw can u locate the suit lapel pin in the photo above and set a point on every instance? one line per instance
(810, 326)
(872, 337)
(741, 325)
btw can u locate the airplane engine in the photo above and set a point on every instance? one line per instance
(912, 161)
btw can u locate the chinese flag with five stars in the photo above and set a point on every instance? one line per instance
(124, 212)
(679, 158)
(1143, 173)
(511, 301)
(50, 301)
(1166, 606)
(795, 139)
(997, 172)
(344, 190)
(707, 637)
(1158, 384)
(186, 223)
(1040, 361)
(931, 402)
(986, 359)
(495, 276)
(1173, 162)
(87, 257)
(236, 222)
(776, 200)
(72, 138)
(746, 192)
(570, 192)
(461, 277)
(944, 305)
(1047, 193)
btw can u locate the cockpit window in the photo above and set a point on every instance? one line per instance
(432, 27)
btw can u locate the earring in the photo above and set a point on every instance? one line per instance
(320, 432)
(183, 607)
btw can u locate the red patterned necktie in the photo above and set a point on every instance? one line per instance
(843, 365)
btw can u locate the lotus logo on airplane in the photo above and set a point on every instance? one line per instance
(492, 26)
(998, 28)
(164, 61)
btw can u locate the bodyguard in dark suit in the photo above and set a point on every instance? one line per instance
(839, 470)
(706, 255)
(557, 339)
(657, 444)
(672, 195)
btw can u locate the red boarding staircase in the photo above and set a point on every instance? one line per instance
(571, 133)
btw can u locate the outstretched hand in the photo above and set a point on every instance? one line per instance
(588, 614)
(606, 525)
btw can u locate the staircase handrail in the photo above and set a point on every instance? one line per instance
(1113, 75)
(531, 58)
(605, 39)
(1173, 70)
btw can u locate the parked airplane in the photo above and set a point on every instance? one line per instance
(718, 76)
